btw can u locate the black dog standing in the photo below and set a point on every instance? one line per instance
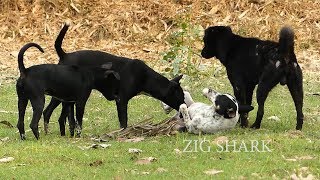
(70, 84)
(250, 61)
(136, 78)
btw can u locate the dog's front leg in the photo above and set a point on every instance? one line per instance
(122, 108)
(37, 106)
(22, 104)
(294, 83)
(54, 103)
(240, 94)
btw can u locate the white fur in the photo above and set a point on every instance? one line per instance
(202, 118)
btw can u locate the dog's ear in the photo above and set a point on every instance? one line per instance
(245, 108)
(111, 73)
(229, 28)
(107, 66)
(177, 79)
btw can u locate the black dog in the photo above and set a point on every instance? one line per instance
(69, 84)
(136, 78)
(250, 61)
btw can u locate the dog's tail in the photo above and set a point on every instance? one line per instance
(21, 66)
(58, 42)
(286, 42)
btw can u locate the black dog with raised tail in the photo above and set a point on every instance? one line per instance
(69, 84)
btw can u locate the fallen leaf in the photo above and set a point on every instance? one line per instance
(135, 151)
(291, 159)
(7, 123)
(94, 146)
(275, 118)
(147, 160)
(4, 139)
(6, 159)
(105, 145)
(220, 140)
(296, 158)
(305, 157)
(117, 178)
(177, 151)
(96, 163)
(136, 139)
(295, 134)
(98, 140)
(300, 177)
(213, 172)
(161, 170)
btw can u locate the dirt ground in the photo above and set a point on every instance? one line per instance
(139, 28)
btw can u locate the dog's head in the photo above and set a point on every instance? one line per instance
(225, 104)
(187, 100)
(174, 95)
(215, 41)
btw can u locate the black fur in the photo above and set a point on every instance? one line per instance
(250, 62)
(136, 78)
(69, 84)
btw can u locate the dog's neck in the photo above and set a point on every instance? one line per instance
(156, 85)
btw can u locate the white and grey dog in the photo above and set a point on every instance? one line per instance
(222, 114)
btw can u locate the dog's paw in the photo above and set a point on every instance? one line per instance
(183, 109)
(46, 128)
(23, 136)
(299, 127)
(255, 126)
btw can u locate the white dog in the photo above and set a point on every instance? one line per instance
(222, 114)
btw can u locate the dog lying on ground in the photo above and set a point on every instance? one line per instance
(136, 78)
(250, 62)
(70, 84)
(199, 117)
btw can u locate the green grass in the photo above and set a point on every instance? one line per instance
(55, 157)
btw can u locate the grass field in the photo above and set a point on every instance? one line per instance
(292, 153)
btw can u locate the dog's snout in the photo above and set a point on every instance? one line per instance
(204, 53)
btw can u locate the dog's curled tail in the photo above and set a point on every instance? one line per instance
(58, 42)
(286, 42)
(22, 69)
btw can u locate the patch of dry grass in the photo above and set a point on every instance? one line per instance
(138, 28)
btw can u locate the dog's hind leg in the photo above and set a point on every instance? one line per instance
(71, 120)
(37, 106)
(294, 83)
(22, 105)
(79, 116)
(268, 80)
(183, 109)
(54, 103)
(62, 118)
